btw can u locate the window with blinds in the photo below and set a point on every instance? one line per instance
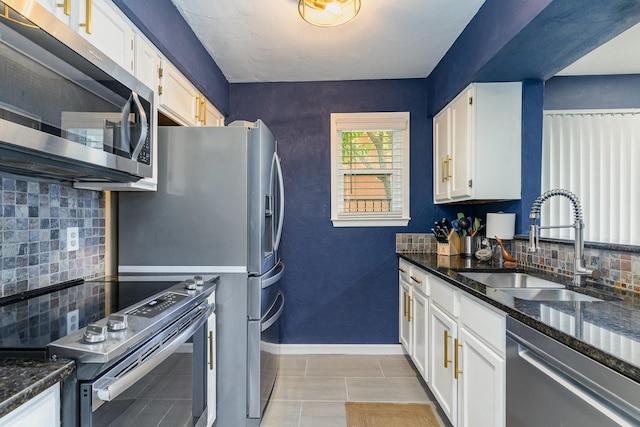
(370, 169)
(593, 154)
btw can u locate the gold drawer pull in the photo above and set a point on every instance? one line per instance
(88, 24)
(456, 371)
(447, 337)
(66, 7)
(415, 280)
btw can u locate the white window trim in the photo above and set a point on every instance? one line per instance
(370, 121)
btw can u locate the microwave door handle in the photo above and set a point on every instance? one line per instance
(125, 134)
(144, 125)
(281, 211)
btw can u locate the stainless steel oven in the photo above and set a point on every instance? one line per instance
(116, 355)
(66, 110)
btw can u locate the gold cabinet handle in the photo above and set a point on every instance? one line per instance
(87, 24)
(211, 350)
(402, 270)
(449, 160)
(443, 176)
(204, 110)
(409, 317)
(404, 304)
(66, 7)
(415, 280)
(198, 108)
(456, 360)
(447, 337)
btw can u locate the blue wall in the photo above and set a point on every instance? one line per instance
(341, 284)
(585, 92)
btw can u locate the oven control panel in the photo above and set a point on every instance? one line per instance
(157, 305)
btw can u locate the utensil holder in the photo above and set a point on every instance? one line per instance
(452, 247)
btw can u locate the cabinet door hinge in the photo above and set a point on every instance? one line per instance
(160, 72)
(159, 89)
(471, 100)
(470, 183)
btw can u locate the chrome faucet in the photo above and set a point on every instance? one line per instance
(579, 268)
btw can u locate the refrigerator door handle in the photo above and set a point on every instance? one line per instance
(275, 277)
(266, 323)
(281, 211)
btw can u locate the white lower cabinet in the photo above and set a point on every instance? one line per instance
(481, 388)
(442, 352)
(43, 410)
(457, 343)
(405, 316)
(419, 353)
(414, 315)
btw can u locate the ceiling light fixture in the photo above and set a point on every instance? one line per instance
(328, 13)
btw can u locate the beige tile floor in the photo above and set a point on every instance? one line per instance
(311, 389)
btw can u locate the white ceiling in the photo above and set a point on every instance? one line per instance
(619, 55)
(267, 40)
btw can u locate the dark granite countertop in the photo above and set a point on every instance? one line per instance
(607, 331)
(23, 379)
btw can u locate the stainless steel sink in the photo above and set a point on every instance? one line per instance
(511, 280)
(548, 295)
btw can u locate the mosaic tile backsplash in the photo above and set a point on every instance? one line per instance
(619, 269)
(33, 238)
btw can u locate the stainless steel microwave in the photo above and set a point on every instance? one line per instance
(67, 111)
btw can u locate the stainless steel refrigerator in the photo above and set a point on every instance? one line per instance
(218, 210)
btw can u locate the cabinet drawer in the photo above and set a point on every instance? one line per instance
(488, 325)
(404, 269)
(445, 297)
(420, 280)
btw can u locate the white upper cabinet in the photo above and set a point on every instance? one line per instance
(104, 27)
(177, 96)
(101, 23)
(477, 142)
(146, 63)
(182, 102)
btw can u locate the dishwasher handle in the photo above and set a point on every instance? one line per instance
(529, 356)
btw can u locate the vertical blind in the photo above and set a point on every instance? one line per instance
(594, 155)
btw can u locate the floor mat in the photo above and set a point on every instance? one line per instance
(390, 415)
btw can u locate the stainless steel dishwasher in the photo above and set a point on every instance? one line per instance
(550, 384)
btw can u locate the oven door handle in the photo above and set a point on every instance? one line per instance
(108, 388)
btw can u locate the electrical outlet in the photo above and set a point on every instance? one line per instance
(72, 321)
(73, 239)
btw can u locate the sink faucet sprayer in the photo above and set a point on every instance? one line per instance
(534, 231)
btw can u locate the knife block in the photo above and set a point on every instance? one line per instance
(453, 245)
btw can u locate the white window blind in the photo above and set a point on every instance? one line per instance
(593, 154)
(370, 169)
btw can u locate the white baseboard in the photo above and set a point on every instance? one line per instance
(361, 349)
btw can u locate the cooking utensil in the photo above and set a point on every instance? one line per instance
(464, 225)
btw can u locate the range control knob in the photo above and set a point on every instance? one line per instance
(117, 322)
(190, 284)
(199, 280)
(95, 333)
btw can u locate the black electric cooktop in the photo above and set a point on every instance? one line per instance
(31, 320)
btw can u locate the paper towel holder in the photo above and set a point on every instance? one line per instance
(501, 226)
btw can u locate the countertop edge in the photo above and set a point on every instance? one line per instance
(20, 394)
(618, 365)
